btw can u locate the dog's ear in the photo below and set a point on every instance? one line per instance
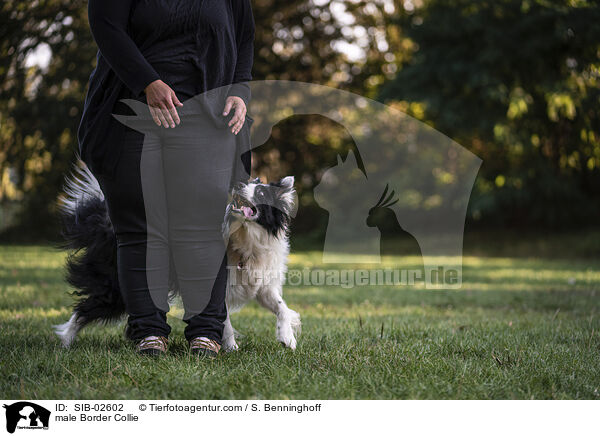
(289, 195)
(287, 182)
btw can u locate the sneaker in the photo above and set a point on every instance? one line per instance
(152, 345)
(203, 347)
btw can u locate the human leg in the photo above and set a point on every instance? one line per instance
(125, 201)
(198, 163)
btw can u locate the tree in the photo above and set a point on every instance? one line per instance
(40, 105)
(517, 82)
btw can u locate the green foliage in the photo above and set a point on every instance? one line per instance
(516, 82)
(40, 106)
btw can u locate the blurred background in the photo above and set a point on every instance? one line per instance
(514, 81)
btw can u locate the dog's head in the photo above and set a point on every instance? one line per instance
(268, 206)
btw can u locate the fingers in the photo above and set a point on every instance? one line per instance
(154, 113)
(173, 111)
(228, 106)
(176, 100)
(166, 112)
(238, 126)
(158, 117)
(237, 121)
(163, 107)
(161, 117)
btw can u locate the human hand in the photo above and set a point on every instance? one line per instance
(162, 101)
(237, 121)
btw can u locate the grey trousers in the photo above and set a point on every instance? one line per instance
(167, 202)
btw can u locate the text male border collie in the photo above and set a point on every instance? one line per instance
(255, 225)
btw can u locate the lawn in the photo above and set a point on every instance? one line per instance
(518, 328)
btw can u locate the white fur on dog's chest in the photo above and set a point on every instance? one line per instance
(257, 252)
(256, 263)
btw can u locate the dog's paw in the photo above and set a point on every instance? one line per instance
(288, 329)
(295, 322)
(229, 343)
(288, 342)
(230, 346)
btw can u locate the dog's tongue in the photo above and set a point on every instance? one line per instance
(247, 211)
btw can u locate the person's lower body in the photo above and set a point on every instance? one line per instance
(166, 202)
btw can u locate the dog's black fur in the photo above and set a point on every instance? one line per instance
(91, 266)
(271, 218)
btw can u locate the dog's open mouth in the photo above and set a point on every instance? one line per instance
(243, 206)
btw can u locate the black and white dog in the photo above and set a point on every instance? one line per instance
(255, 228)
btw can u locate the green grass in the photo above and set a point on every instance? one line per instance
(519, 328)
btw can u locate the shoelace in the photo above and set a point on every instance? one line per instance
(156, 342)
(203, 342)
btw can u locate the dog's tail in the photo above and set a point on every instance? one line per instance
(91, 269)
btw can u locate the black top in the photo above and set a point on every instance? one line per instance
(192, 45)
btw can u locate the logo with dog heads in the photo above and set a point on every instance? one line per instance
(26, 415)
